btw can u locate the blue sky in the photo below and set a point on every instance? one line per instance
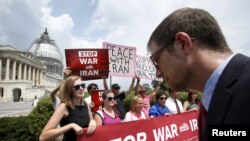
(87, 23)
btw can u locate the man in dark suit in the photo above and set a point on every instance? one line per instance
(190, 52)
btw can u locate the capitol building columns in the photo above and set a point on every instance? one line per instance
(19, 71)
(19, 76)
(0, 69)
(24, 72)
(14, 70)
(7, 69)
(30, 73)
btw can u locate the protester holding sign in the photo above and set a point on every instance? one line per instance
(88, 63)
(96, 100)
(90, 88)
(107, 115)
(141, 91)
(72, 114)
(55, 94)
(135, 112)
(119, 97)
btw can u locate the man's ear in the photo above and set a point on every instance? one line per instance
(184, 40)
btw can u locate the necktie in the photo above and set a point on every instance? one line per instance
(202, 120)
(177, 107)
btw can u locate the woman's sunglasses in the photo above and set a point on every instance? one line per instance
(163, 98)
(77, 87)
(110, 98)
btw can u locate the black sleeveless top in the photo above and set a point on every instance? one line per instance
(78, 115)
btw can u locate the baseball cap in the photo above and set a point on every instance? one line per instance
(115, 86)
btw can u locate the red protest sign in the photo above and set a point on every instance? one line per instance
(96, 97)
(177, 127)
(88, 63)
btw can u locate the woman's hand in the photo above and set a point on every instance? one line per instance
(92, 127)
(78, 130)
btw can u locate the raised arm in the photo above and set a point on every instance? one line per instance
(53, 93)
(137, 85)
(105, 84)
(154, 92)
(66, 72)
(131, 87)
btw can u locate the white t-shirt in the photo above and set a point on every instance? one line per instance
(35, 101)
(132, 117)
(171, 105)
(88, 100)
(56, 102)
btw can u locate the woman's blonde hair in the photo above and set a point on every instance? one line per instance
(67, 90)
(134, 102)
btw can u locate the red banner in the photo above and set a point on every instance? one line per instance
(178, 127)
(96, 97)
(88, 63)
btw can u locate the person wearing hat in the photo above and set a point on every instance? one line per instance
(119, 96)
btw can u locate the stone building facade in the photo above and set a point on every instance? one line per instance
(47, 51)
(26, 74)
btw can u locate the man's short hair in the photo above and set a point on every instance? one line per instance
(115, 86)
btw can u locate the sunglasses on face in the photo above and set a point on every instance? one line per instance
(111, 98)
(163, 98)
(77, 87)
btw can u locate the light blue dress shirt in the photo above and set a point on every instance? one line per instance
(212, 81)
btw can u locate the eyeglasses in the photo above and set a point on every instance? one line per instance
(110, 98)
(163, 98)
(155, 57)
(77, 87)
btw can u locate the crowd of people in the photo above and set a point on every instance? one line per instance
(189, 52)
(73, 113)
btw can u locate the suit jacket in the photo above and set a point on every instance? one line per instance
(231, 98)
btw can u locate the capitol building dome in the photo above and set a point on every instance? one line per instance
(48, 52)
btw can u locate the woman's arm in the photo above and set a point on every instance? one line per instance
(92, 122)
(185, 106)
(51, 132)
(98, 119)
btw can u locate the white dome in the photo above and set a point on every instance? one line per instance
(45, 47)
(47, 51)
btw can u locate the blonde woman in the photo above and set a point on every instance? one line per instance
(72, 114)
(135, 112)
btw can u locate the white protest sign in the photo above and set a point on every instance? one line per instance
(121, 59)
(145, 68)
